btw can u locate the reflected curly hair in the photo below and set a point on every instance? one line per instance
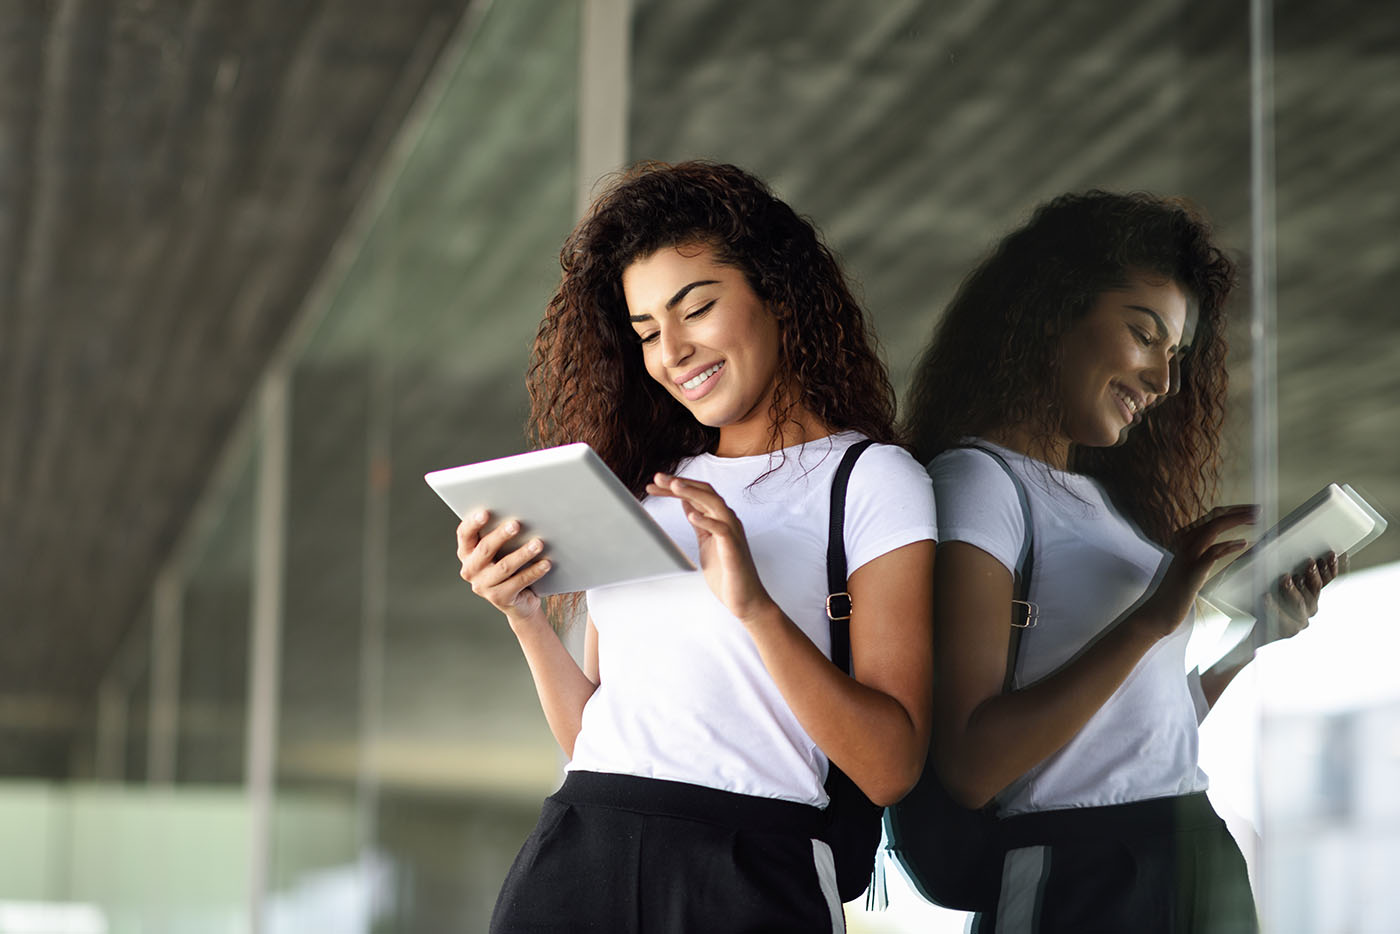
(586, 379)
(995, 356)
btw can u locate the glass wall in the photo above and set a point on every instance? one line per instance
(407, 718)
(915, 134)
(1329, 704)
(407, 753)
(213, 640)
(152, 832)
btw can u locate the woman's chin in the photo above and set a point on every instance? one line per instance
(711, 418)
(1122, 436)
(1103, 439)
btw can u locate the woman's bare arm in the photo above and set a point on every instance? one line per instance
(504, 581)
(984, 739)
(875, 725)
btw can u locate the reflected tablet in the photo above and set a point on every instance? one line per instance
(594, 531)
(1337, 519)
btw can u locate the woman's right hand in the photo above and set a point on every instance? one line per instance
(1195, 553)
(503, 580)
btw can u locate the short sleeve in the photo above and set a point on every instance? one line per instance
(889, 504)
(978, 504)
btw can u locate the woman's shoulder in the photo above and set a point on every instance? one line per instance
(890, 503)
(978, 501)
(977, 462)
(883, 461)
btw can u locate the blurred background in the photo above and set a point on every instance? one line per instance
(266, 262)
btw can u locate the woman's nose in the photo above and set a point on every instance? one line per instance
(1157, 376)
(674, 347)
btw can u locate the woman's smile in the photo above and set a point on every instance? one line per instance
(1132, 403)
(701, 382)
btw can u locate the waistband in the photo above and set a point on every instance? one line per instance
(690, 802)
(1112, 821)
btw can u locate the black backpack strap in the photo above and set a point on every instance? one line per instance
(853, 830)
(1024, 612)
(838, 599)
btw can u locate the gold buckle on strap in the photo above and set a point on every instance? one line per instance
(843, 604)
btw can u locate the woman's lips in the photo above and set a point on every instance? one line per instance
(1129, 405)
(699, 382)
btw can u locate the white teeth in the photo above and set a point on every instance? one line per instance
(1129, 401)
(701, 377)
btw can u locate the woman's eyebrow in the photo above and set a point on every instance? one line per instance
(1161, 325)
(685, 290)
(677, 298)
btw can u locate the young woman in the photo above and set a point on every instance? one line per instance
(705, 343)
(1088, 352)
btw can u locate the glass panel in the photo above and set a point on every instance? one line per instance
(314, 821)
(463, 757)
(412, 752)
(212, 741)
(85, 857)
(74, 842)
(1329, 699)
(916, 134)
(135, 663)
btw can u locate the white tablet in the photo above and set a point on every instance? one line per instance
(594, 531)
(1337, 519)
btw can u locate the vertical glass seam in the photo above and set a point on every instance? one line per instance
(1264, 346)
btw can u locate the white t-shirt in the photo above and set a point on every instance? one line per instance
(1091, 567)
(683, 694)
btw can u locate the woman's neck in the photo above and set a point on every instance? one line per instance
(1050, 448)
(745, 440)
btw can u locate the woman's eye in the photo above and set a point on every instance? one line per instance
(701, 310)
(1143, 337)
(647, 338)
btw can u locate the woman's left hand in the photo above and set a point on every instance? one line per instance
(1287, 609)
(1294, 601)
(724, 550)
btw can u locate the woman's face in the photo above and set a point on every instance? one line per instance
(1116, 361)
(707, 338)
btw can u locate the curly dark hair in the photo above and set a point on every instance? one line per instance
(586, 378)
(994, 359)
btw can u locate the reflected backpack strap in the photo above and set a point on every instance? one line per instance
(838, 599)
(952, 854)
(1024, 612)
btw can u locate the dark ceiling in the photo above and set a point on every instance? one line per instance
(172, 177)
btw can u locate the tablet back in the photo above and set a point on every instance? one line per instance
(1336, 519)
(594, 531)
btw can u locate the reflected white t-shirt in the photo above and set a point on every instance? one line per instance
(1091, 567)
(683, 694)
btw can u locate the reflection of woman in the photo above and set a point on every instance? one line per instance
(705, 343)
(1088, 351)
